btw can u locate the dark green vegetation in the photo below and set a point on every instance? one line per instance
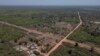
(70, 50)
(43, 20)
(90, 15)
(90, 31)
(9, 33)
(81, 35)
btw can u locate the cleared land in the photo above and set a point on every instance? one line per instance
(60, 42)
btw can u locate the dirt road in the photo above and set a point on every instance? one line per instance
(29, 30)
(58, 44)
(82, 45)
(20, 27)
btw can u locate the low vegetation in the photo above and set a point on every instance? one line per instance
(70, 50)
(57, 21)
(7, 50)
(41, 20)
(9, 33)
(89, 31)
(83, 36)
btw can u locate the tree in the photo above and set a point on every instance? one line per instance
(69, 52)
(16, 40)
(37, 53)
(2, 41)
(30, 39)
(91, 50)
(76, 44)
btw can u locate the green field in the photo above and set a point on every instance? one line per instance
(70, 50)
(81, 35)
(8, 33)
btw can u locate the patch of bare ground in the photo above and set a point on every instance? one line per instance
(65, 25)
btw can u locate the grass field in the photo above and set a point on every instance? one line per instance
(83, 36)
(70, 50)
(8, 33)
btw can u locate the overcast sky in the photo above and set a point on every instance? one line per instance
(49, 2)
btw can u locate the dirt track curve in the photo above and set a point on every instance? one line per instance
(58, 44)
